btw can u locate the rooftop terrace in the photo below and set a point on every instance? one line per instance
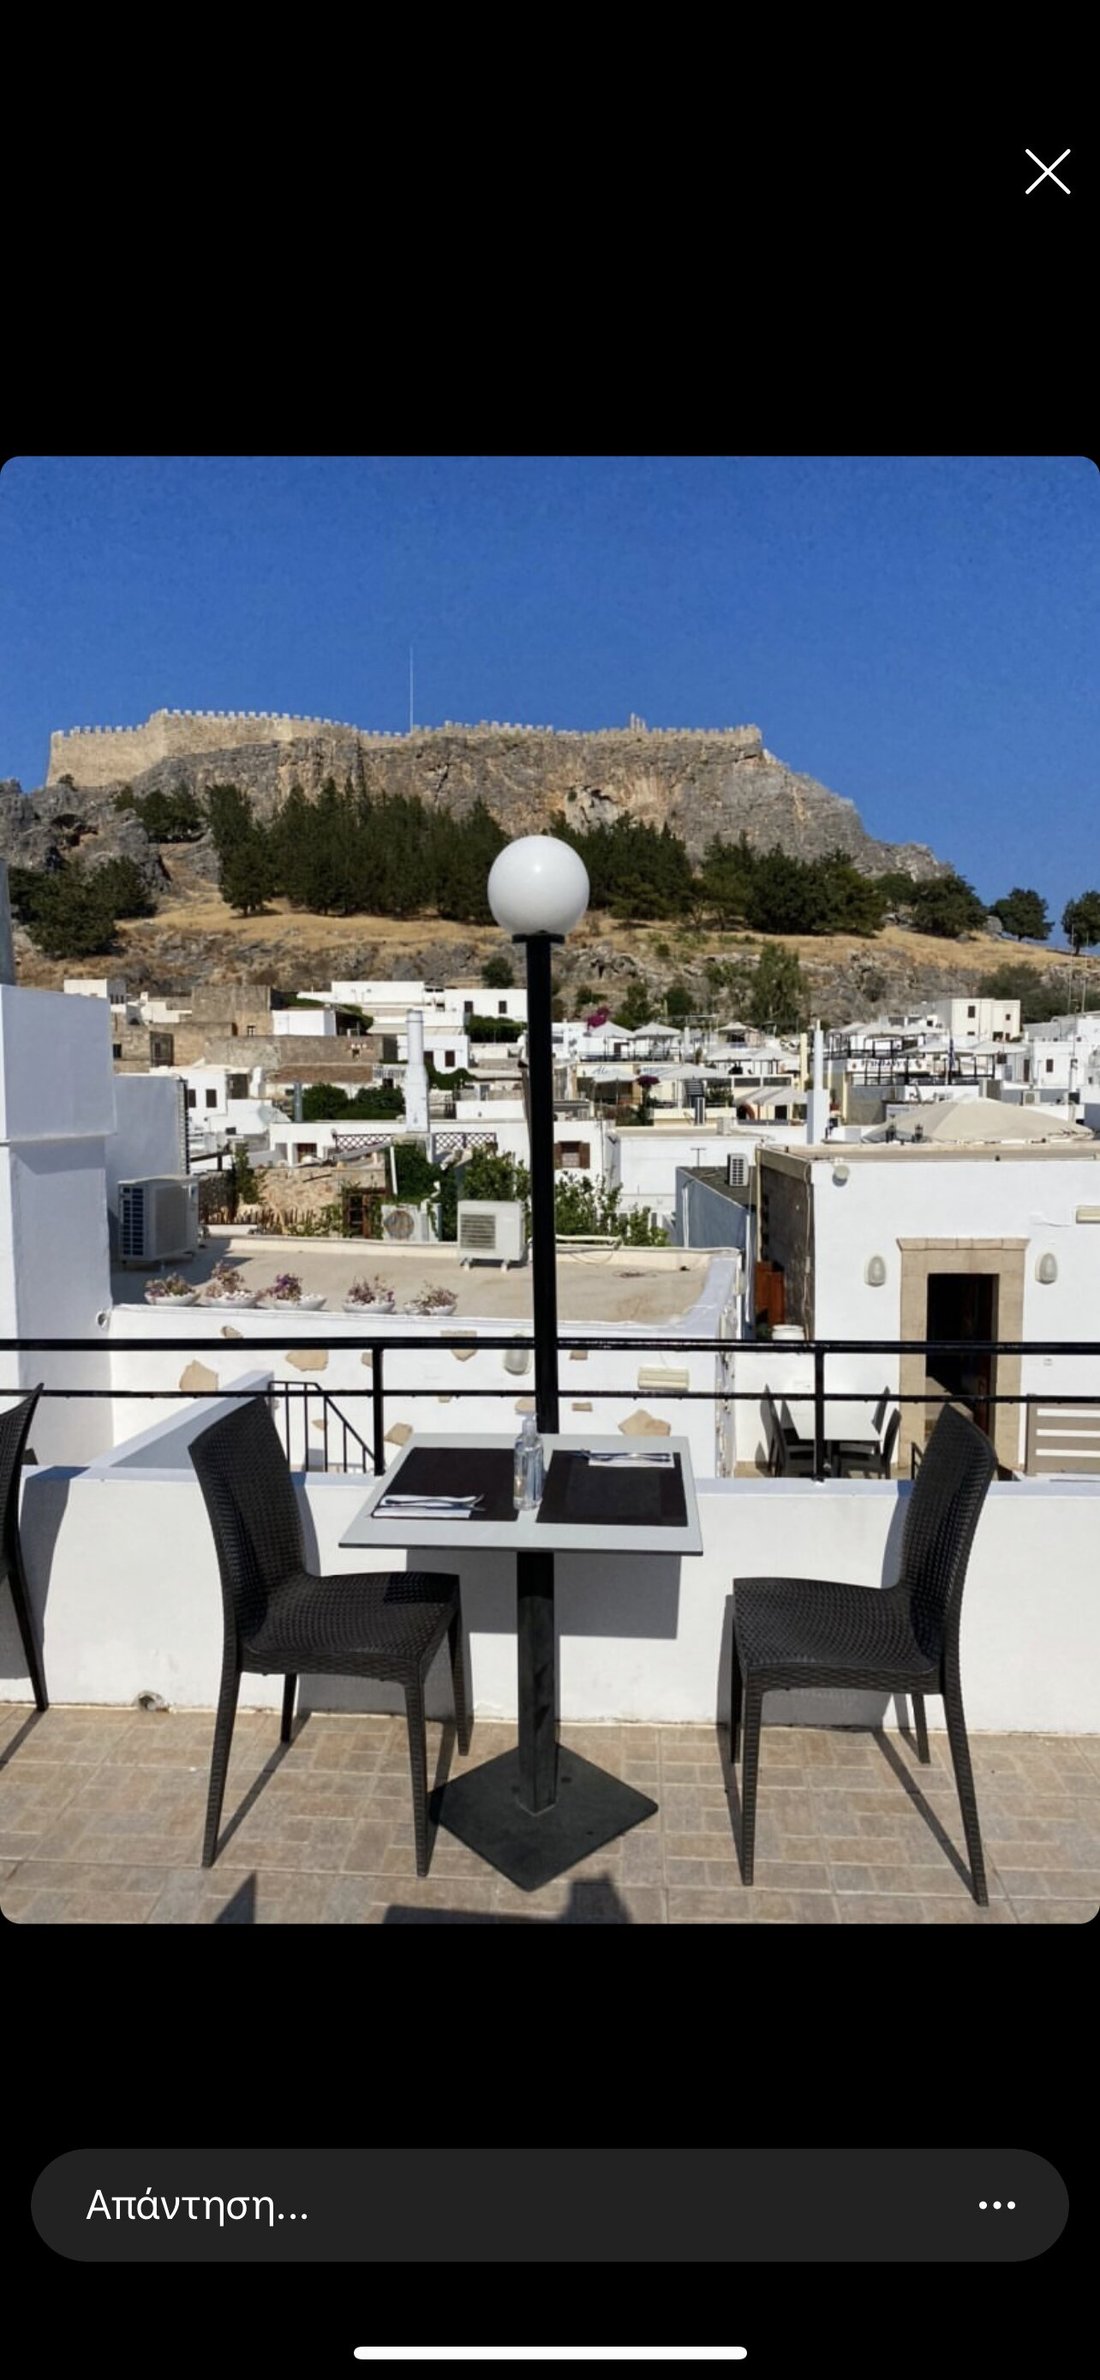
(102, 1824)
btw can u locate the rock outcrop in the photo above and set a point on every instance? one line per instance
(697, 781)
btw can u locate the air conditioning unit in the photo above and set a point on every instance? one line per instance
(491, 1228)
(158, 1218)
(407, 1225)
(737, 1172)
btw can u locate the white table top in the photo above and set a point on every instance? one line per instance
(526, 1533)
(855, 1421)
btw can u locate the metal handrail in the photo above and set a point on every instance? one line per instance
(818, 1349)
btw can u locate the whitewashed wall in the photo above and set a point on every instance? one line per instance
(1013, 1198)
(459, 1384)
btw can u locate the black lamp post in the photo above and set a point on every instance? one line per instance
(538, 891)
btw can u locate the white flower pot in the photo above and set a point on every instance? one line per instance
(190, 1298)
(293, 1305)
(230, 1301)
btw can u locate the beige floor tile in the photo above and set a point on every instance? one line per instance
(698, 1875)
(434, 1895)
(694, 1907)
(1054, 1912)
(627, 1904)
(771, 1907)
(643, 1860)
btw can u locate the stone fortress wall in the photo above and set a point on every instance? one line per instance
(96, 756)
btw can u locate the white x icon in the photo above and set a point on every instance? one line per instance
(1047, 170)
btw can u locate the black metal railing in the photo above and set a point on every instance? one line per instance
(819, 1351)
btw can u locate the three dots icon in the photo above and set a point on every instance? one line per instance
(1008, 2202)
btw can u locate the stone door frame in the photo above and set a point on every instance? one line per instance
(1006, 1259)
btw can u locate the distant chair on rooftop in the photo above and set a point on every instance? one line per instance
(14, 1431)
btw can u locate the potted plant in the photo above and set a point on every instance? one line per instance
(226, 1287)
(431, 1301)
(286, 1290)
(374, 1297)
(170, 1290)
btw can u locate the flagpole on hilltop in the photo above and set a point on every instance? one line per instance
(410, 689)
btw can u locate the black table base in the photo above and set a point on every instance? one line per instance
(536, 1811)
(484, 1810)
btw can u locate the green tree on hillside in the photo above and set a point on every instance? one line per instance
(634, 1007)
(779, 998)
(1038, 1000)
(727, 877)
(498, 974)
(67, 912)
(174, 817)
(120, 883)
(1081, 921)
(1023, 913)
(947, 906)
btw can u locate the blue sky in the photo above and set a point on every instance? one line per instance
(918, 633)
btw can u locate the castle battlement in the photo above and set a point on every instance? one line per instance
(96, 756)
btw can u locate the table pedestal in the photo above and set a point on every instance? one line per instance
(536, 1811)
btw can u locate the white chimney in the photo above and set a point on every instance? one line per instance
(416, 1073)
(817, 1103)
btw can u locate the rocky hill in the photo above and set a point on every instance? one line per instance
(701, 783)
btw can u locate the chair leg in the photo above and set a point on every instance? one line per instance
(968, 1804)
(750, 1762)
(219, 1765)
(290, 1688)
(736, 1691)
(17, 1581)
(463, 1723)
(418, 1763)
(921, 1726)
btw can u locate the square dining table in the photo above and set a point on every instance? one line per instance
(534, 1812)
(844, 1424)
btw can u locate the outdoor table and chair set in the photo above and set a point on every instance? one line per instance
(534, 1812)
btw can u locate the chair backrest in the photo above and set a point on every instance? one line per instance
(245, 1479)
(14, 1430)
(944, 1509)
(890, 1440)
(777, 1445)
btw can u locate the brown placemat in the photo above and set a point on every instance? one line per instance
(634, 1495)
(484, 1471)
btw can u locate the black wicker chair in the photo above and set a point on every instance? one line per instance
(280, 1619)
(14, 1431)
(789, 1456)
(902, 1639)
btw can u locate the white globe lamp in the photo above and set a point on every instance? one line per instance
(538, 885)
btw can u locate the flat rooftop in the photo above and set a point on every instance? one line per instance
(595, 1285)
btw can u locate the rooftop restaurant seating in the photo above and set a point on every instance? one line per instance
(281, 1619)
(903, 1639)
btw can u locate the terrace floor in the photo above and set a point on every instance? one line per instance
(101, 1815)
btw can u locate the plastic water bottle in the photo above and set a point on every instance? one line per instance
(527, 1466)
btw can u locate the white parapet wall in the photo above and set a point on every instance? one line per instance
(122, 1571)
